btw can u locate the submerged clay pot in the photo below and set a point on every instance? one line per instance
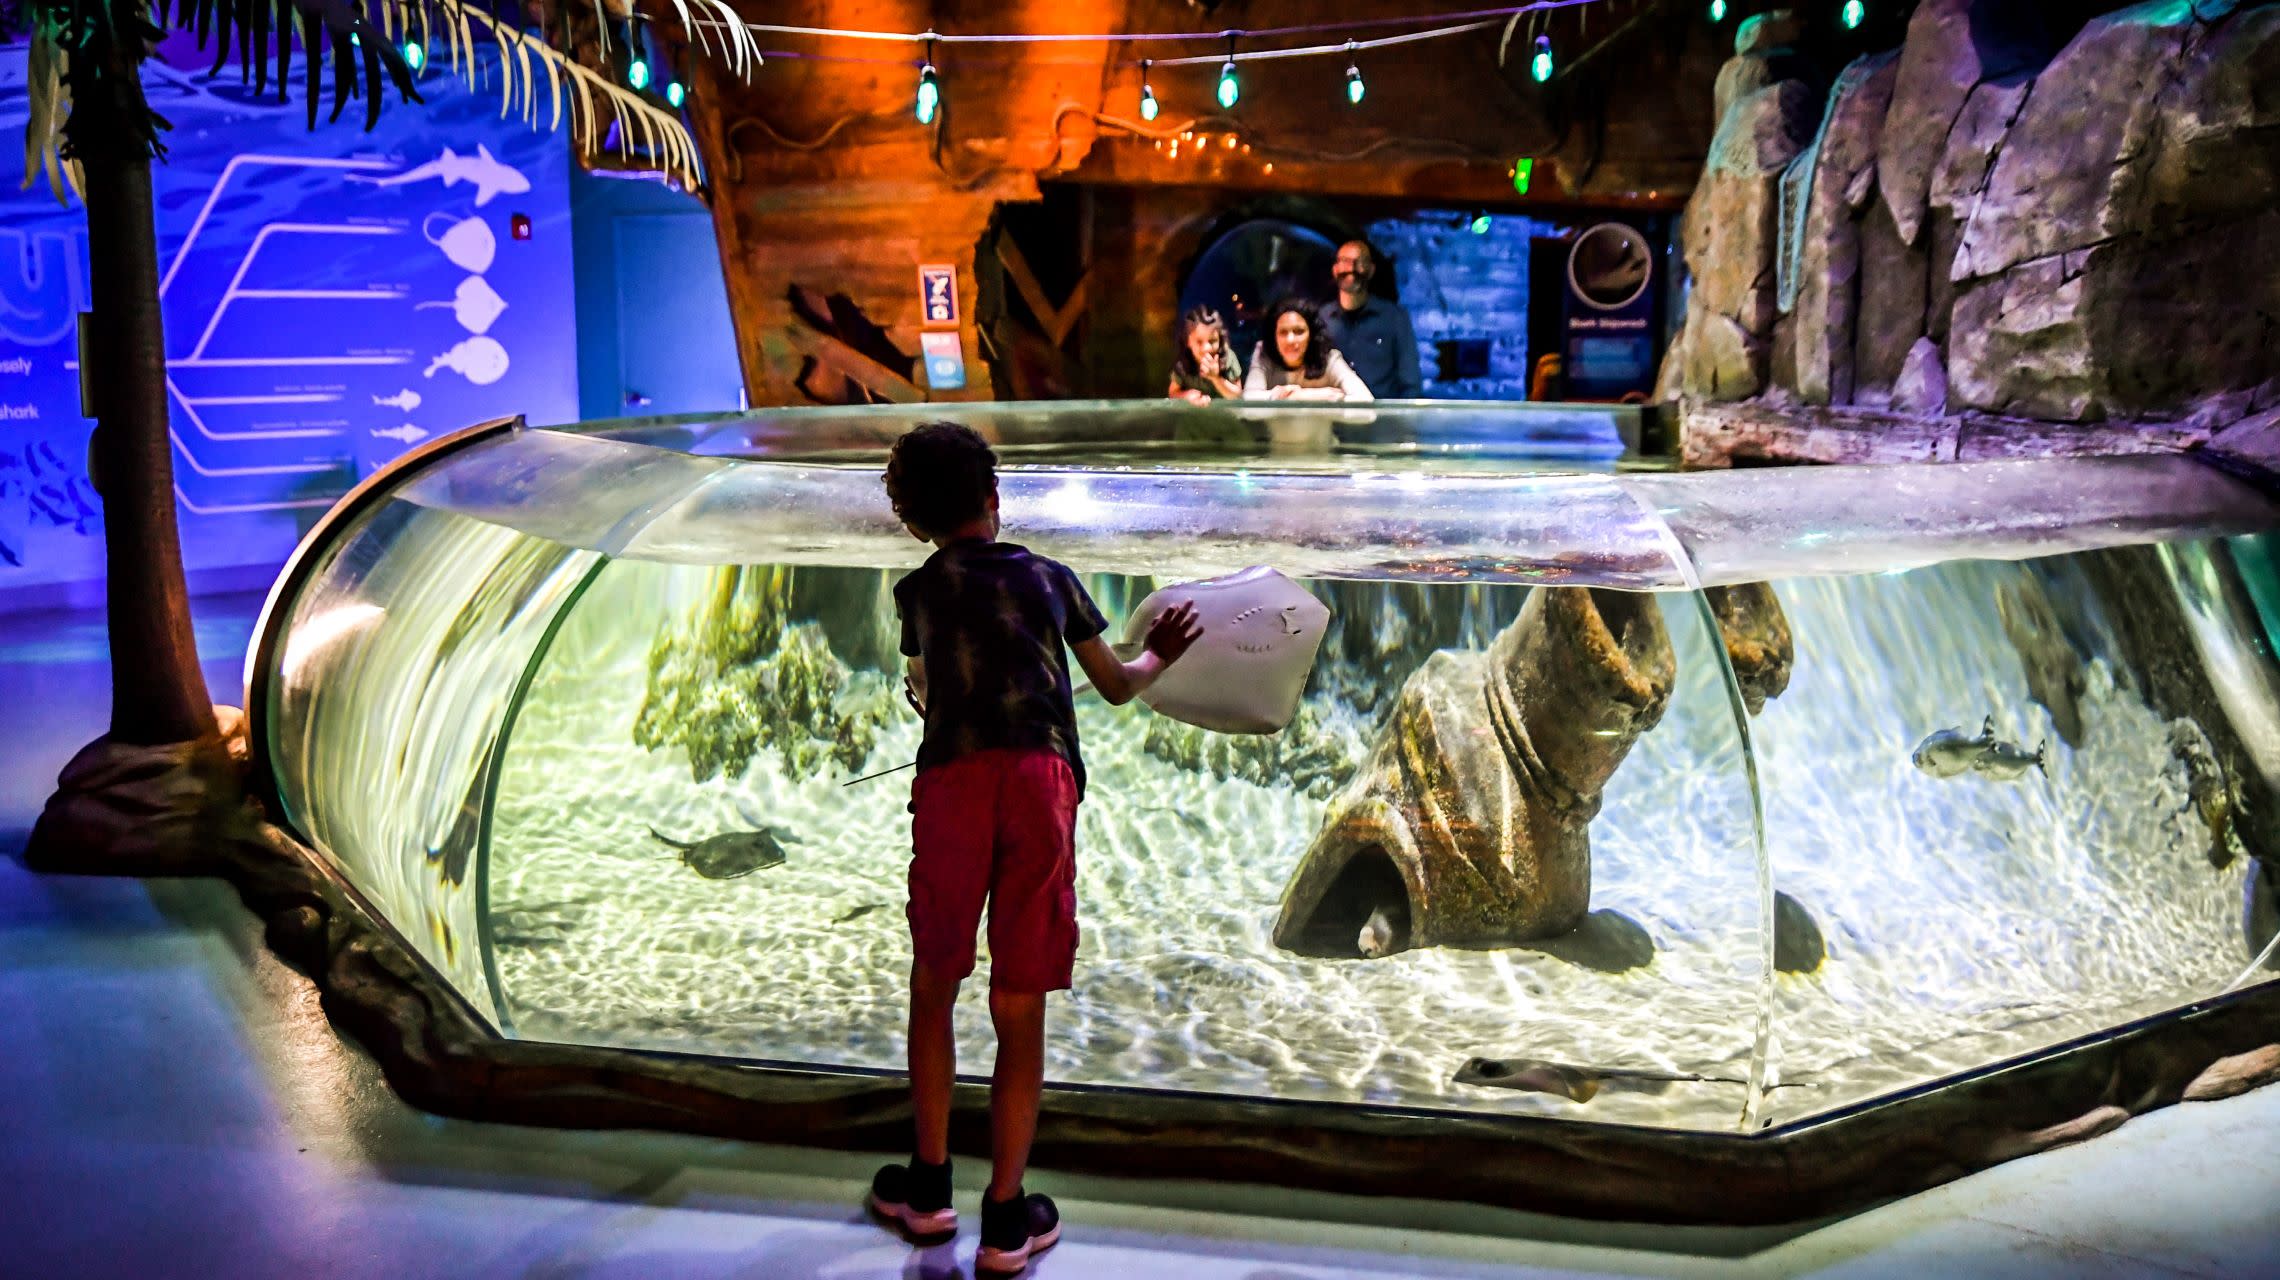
(1469, 826)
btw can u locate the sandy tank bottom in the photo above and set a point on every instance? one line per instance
(1965, 920)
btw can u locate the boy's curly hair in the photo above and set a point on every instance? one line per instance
(940, 476)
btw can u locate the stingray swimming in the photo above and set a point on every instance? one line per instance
(731, 854)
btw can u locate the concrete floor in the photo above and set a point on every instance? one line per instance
(176, 1105)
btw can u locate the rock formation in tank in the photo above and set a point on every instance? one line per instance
(741, 676)
(1755, 632)
(1469, 825)
(2055, 670)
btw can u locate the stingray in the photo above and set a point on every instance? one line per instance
(732, 854)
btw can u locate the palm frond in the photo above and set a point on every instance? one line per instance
(363, 41)
(50, 94)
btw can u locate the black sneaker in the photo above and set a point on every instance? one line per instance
(916, 1199)
(1015, 1231)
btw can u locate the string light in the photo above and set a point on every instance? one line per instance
(1148, 107)
(1523, 172)
(675, 94)
(415, 56)
(1717, 10)
(637, 75)
(1228, 89)
(1353, 77)
(1540, 66)
(929, 88)
(1480, 224)
(1854, 13)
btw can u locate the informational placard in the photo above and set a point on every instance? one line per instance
(1610, 310)
(938, 295)
(945, 361)
(331, 298)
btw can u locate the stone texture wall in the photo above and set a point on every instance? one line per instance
(1462, 286)
(1989, 222)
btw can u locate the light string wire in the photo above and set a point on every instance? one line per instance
(1455, 24)
(1225, 33)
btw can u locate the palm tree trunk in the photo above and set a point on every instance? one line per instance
(158, 692)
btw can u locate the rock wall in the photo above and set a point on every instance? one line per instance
(1994, 222)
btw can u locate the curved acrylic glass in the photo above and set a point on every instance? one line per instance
(1185, 846)
(652, 632)
(399, 660)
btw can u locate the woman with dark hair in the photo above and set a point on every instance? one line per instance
(1205, 370)
(1302, 365)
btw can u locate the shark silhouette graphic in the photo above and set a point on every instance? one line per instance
(490, 176)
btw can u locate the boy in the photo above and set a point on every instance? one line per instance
(994, 810)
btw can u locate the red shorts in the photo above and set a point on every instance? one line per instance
(1001, 824)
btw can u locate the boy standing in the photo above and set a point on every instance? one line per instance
(994, 810)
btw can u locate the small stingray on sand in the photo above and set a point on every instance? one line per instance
(732, 854)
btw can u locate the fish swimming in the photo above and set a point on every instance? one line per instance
(1576, 1084)
(1950, 752)
(407, 433)
(406, 400)
(2005, 761)
(1380, 936)
(859, 912)
(490, 176)
(734, 854)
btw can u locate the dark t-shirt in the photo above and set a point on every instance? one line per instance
(991, 622)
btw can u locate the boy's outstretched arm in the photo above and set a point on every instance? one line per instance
(1120, 682)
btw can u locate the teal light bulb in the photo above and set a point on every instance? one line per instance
(929, 95)
(1480, 224)
(1540, 66)
(1228, 89)
(1148, 107)
(1854, 13)
(1717, 10)
(637, 75)
(1354, 85)
(675, 94)
(415, 56)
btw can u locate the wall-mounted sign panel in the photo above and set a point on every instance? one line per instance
(938, 295)
(331, 298)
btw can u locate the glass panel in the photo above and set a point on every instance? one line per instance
(399, 656)
(1227, 885)
(1763, 525)
(1985, 894)
(1451, 434)
(734, 664)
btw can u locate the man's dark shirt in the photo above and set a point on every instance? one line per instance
(991, 622)
(1380, 344)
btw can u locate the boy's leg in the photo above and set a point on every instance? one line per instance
(951, 848)
(1033, 943)
(1019, 1079)
(933, 1059)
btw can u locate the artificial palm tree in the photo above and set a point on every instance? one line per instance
(93, 131)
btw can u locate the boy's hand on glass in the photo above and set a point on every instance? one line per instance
(1173, 631)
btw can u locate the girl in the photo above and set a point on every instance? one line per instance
(1302, 366)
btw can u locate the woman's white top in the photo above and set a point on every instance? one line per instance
(1338, 382)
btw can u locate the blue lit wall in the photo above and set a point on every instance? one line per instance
(331, 298)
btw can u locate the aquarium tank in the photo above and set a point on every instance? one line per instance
(1713, 802)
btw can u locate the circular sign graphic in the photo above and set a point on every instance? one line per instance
(1609, 266)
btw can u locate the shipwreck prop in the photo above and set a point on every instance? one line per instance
(1469, 826)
